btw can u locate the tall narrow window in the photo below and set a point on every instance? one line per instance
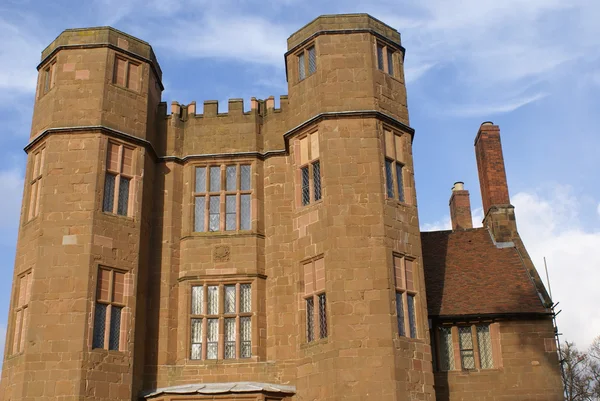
(446, 349)
(110, 301)
(211, 197)
(307, 62)
(385, 58)
(21, 312)
(394, 166)
(467, 353)
(118, 179)
(228, 307)
(314, 294)
(405, 296)
(36, 182)
(484, 342)
(48, 77)
(307, 156)
(127, 73)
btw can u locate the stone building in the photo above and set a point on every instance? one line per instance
(182, 253)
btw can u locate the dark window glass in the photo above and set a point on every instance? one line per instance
(115, 328)
(389, 178)
(411, 316)
(400, 313)
(99, 326)
(123, 196)
(310, 319)
(400, 182)
(317, 179)
(109, 193)
(390, 62)
(305, 186)
(380, 57)
(322, 316)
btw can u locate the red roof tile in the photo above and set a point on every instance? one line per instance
(466, 274)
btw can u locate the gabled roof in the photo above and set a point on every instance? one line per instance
(467, 274)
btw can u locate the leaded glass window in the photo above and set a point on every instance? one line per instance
(406, 293)
(317, 179)
(380, 57)
(385, 58)
(484, 342)
(389, 178)
(446, 349)
(109, 309)
(465, 341)
(307, 158)
(400, 313)
(36, 182)
(301, 67)
(322, 316)
(310, 319)
(412, 323)
(118, 179)
(234, 198)
(234, 318)
(312, 60)
(305, 186)
(394, 166)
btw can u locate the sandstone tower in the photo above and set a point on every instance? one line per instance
(269, 254)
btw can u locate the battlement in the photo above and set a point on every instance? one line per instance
(104, 36)
(260, 107)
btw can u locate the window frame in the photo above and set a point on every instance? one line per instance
(388, 58)
(127, 71)
(456, 352)
(316, 326)
(314, 195)
(303, 61)
(48, 78)
(221, 316)
(119, 175)
(110, 305)
(394, 160)
(35, 182)
(406, 328)
(19, 325)
(222, 193)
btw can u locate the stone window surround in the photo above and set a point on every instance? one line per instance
(127, 83)
(125, 312)
(385, 58)
(222, 193)
(16, 338)
(253, 314)
(314, 279)
(405, 289)
(302, 56)
(494, 330)
(35, 182)
(118, 173)
(47, 79)
(308, 161)
(394, 154)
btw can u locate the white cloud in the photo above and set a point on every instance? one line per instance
(10, 204)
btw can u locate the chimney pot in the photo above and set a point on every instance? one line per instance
(458, 186)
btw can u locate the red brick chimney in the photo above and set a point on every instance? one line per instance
(499, 213)
(460, 207)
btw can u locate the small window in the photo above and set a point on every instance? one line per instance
(307, 62)
(118, 179)
(21, 312)
(35, 187)
(220, 207)
(127, 73)
(307, 156)
(48, 77)
(385, 58)
(405, 296)
(314, 294)
(108, 314)
(394, 166)
(213, 305)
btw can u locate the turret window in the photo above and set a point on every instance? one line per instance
(21, 314)
(127, 73)
(315, 300)
(307, 62)
(108, 314)
(49, 77)
(405, 296)
(118, 179)
(223, 198)
(39, 158)
(310, 169)
(394, 166)
(385, 58)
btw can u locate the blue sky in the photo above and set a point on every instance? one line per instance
(531, 66)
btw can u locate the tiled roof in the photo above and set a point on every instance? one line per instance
(223, 388)
(467, 274)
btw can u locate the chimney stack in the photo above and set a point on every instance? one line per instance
(499, 213)
(460, 207)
